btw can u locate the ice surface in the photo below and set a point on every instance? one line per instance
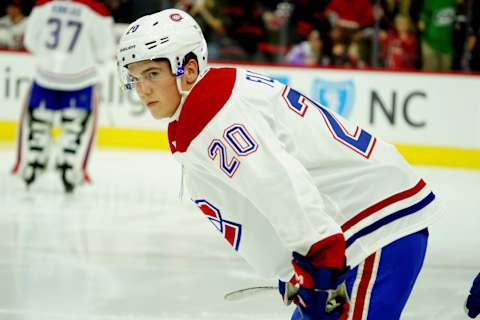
(126, 248)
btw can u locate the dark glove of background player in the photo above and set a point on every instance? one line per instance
(473, 300)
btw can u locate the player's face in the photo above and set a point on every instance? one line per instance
(156, 86)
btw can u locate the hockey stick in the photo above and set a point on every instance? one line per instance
(248, 292)
(331, 302)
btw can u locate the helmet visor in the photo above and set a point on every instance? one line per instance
(127, 81)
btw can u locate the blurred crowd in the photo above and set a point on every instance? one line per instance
(393, 34)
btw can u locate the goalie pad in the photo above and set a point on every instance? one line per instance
(74, 145)
(34, 143)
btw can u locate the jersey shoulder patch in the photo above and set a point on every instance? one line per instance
(205, 100)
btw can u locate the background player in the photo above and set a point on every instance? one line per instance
(294, 188)
(68, 39)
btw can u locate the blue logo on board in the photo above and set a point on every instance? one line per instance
(338, 96)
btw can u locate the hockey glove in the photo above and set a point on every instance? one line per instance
(473, 301)
(288, 291)
(322, 292)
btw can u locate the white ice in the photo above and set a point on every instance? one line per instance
(125, 247)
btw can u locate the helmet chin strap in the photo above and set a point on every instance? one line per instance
(184, 93)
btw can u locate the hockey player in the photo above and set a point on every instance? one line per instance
(294, 188)
(68, 40)
(473, 301)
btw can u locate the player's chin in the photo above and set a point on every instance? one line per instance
(157, 114)
(158, 117)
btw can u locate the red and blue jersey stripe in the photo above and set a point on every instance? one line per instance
(391, 217)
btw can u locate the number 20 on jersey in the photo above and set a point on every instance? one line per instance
(239, 140)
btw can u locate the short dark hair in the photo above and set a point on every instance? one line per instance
(189, 56)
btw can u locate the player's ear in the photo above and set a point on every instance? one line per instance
(191, 71)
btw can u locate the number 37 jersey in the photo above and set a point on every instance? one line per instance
(68, 39)
(275, 172)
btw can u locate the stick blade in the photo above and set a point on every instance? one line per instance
(248, 292)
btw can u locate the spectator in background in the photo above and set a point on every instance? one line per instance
(391, 8)
(12, 26)
(348, 20)
(354, 56)
(351, 15)
(474, 38)
(309, 52)
(399, 45)
(209, 15)
(246, 26)
(306, 16)
(436, 27)
(459, 37)
(347, 52)
(276, 20)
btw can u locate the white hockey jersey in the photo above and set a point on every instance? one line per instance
(68, 39)
(275, 172)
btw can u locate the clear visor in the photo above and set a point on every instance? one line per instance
(152, 75)
(127, 81)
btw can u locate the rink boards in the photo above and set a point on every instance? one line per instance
(433, 119)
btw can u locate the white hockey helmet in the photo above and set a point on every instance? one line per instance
(169, 34)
